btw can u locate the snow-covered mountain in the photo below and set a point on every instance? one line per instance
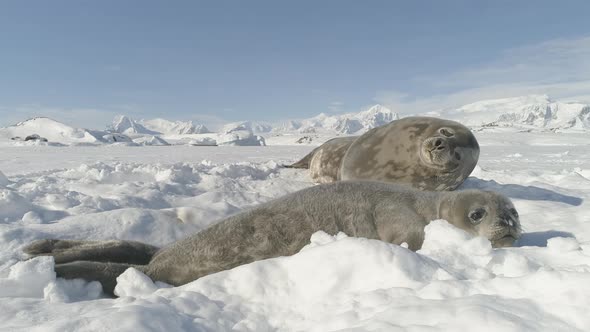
(349, 123)
(126, 125)
(53, 131)
(534, 111)
(173, 127)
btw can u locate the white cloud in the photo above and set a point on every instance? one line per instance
(559, 68)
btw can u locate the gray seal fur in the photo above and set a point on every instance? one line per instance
(324, 161)
(281, 227)
(423, 152)
(324, 166)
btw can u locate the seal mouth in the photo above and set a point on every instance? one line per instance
(442, 162)
(507, 240)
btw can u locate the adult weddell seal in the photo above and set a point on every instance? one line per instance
(423, 152)
(281, 227)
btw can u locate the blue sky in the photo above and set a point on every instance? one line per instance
(82, 62)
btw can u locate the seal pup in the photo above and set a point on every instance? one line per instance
(281, 227)
(423, 152)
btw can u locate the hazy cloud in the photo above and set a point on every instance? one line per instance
(559, 68)
(79, 117)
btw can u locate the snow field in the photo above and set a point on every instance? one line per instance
(335, 283)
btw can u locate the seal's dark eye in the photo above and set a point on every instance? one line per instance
(477, 215)
(446, 132)
(514, 212)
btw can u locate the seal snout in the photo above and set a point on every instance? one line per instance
(439, 145)
(510, 232)
(441, 151)
(508, 222)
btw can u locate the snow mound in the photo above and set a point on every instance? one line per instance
(13, 206)
(239, 134)
(28, 278)
(167, 127)
(52, 130)
(241, 138)
(537, 111)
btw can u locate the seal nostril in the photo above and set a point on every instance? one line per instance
(440, 148)
(437, 142)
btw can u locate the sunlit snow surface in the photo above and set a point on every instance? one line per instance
(336, 283)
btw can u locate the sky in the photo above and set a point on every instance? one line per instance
(83, 62)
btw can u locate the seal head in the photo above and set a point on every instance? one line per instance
(483, 213)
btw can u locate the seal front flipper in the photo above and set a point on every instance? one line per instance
(105, 273)
(116, 251)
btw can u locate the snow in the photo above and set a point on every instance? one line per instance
(52, 130)
(116, 138)
(533, 111)
(159, 194)
(150, 140)
(147, 181)
(167, 127)
(3, 180)
(204, 141)
(125, 125)
(347, 124)
(239, 134)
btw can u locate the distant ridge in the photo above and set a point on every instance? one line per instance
(532, 111)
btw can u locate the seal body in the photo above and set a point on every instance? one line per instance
(423, 152)
(324, 161)
(282, 227)
(324, 166)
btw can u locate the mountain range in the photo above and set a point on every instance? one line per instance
(533, 112)
(126, 125)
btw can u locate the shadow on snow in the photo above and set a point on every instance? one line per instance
(521, 192)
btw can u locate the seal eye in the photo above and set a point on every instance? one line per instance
(457, 156)
(514, 212)
(446, 132)
(477, 215)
